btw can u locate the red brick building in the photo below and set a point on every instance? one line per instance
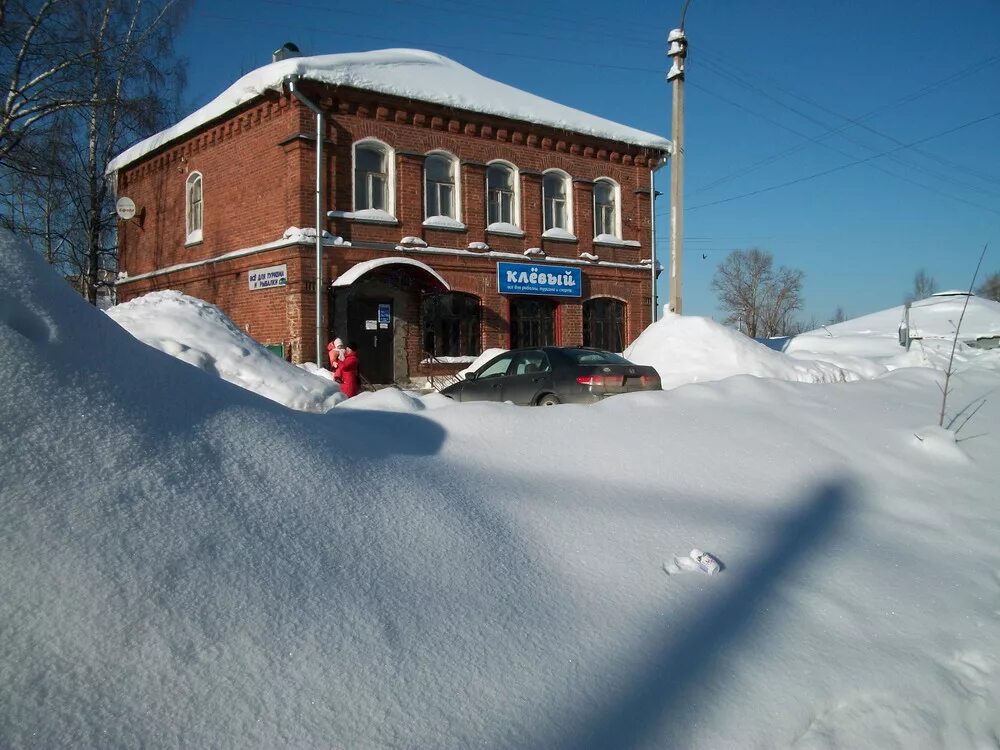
(432, 179)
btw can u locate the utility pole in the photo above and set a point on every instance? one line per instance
(677, 51)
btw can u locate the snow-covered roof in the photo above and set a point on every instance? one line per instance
(355, 272)
(408, 73)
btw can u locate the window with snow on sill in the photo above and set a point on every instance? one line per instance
(373, 215)
(503, 227)
(444, 222)
(558, 233)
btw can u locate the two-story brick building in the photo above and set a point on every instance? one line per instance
(458, 213)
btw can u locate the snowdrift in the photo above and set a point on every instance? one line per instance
(184, 563)
(689, 349)
(875, 337)
(202, 335)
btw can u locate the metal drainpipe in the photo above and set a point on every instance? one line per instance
(292, 82)
(652, 216)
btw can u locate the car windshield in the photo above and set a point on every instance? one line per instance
(595, 357)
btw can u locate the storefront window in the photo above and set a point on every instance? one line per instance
(532, 323)
(604, 324)
(451, 325)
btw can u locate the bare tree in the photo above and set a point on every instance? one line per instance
(990, 288)
(128, 79)
(839, 316)
(758, 299)
(42, 52)
(924, 286)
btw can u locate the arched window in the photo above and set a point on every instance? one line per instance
(440, 186)
(501, 194)
(606, 222)
(604, 324)
(373, 176)
(195, 207)
(556, 201)
(532, 323)
(451, 325)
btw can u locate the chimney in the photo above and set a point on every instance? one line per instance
(285, 51)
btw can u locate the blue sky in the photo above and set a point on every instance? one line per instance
(767, 83)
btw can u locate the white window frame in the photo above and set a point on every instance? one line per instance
(456, 185)
(617, 197)
(516, 200)
(390, 174)
(193, 233)
(568, 190)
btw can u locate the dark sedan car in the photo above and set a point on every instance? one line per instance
(553, 375)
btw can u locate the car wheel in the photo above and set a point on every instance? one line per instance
(549, 399)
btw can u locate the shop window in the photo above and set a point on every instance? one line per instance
(440, 186)
(195, 207)
(501, 194)
(604, 324)
(606, 209)
(556, 201)
(373, 188)
(451, 325)
(532, 323)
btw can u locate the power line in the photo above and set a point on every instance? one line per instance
(859, 122)
(810, 118)
(860, 161)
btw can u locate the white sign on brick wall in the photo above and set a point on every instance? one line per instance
(267, 278)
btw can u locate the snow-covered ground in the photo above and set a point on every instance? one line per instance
(186, 563)
(202, 335)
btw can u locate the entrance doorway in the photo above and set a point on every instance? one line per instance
(370, 328)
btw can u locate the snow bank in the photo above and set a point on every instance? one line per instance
(479, 361)
(690, 349)
(186, 564)
(932, 321)
(408, 73)
(202, 335)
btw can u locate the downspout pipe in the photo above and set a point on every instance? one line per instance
(292, 81)
(654, 193)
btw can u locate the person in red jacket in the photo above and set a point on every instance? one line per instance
(347, 372)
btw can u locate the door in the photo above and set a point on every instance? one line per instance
(529, 377)
(370, 327)
(488, 385)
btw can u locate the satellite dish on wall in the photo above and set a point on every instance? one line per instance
(125, 208)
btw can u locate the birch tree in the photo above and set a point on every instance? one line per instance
(125, 85)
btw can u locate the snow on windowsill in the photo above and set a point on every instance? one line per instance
(445, 222)
(194, 238)
(411, 242)
(610, 239)
(560, 234)
(309, 233)
(449, 360)
(367, 215)
(503, 227)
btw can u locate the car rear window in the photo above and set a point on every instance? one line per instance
(592, 357)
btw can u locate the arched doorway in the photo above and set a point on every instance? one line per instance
(376, 304)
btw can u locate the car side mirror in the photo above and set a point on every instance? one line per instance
(470, 376)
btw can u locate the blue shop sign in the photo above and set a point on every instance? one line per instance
(551, 281)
